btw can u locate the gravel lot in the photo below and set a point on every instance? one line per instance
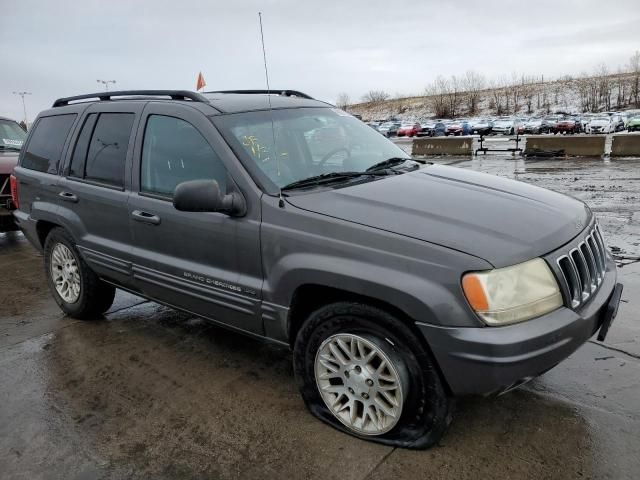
(152, 393)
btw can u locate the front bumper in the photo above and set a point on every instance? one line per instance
(489, 360)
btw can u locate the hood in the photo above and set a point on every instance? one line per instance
(499, 220)
(599, 123)
(8, 160)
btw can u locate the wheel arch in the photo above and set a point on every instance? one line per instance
(43, 228)
(309, 297)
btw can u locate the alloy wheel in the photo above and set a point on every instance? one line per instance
(65, 273)
(361, 385)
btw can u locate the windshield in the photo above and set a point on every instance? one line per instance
(12, 136)
(308, 142)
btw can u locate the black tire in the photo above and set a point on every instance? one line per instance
(96, 296)
(427, 408)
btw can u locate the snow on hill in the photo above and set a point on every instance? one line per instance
(569, 95)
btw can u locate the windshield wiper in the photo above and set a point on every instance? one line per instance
(390, 162)
(327, 178)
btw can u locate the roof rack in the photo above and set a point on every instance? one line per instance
(284, 93)
(106, 96)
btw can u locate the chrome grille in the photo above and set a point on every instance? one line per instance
(583, 267)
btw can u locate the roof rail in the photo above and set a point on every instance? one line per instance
(106, 96)
(284, 93)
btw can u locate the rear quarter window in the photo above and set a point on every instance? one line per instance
(47, 141)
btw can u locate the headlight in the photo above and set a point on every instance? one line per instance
(512, 294)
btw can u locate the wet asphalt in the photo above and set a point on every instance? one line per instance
(148, 392)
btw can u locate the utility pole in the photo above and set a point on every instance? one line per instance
(106, 83)
(24, 108)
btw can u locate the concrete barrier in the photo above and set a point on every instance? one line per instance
(625, 146)
(571, 145)
(442, 146)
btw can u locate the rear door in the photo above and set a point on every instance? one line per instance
(41, 158)
(206, 263)
(95, 187)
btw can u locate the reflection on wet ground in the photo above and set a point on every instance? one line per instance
(152, 393)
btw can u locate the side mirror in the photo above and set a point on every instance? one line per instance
(205, 196)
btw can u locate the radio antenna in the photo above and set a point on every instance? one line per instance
(266, 76)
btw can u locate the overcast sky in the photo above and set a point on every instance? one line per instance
(61, 47)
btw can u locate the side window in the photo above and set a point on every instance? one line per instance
(82, 145)
(45, 146)
(174, 152)
(108, 148)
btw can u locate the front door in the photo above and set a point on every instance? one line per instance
(205, 263)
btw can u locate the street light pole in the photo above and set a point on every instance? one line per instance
(24, 107)
(106, 83)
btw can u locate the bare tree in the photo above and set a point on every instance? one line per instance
(454, 95)
(375, 96)
(581, 87)
(437, 94)
(515, 91)
(529, 89)
(343, 101)
(634, 68)
(496, 96)
(473, 84)
(622, 86)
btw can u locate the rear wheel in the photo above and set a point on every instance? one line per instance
(74, 286)
(366, 373)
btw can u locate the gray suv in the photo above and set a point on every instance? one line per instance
(399, 285)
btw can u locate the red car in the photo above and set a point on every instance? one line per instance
(409, 129)
(12, 137)
(454, 129)
(567, 125)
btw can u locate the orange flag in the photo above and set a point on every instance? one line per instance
(200, 83)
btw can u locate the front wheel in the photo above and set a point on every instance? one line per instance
(75, 287)
(366, 373)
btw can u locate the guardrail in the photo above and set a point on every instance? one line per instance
(625, 145)
(562, 145)
(425, 146)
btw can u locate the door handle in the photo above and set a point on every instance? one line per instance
(145, 217)
(68, 197)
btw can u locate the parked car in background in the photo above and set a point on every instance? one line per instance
(389, 129)
(549, 123)
(482, 126)
(12, 136)
(454, 128)
(504, 127)
(426, 128)
(532, 126)
(439, 130)
(567, 125)
(602, 124)
(633, 124)
(617, 121)
(409, 129)
(585, 119)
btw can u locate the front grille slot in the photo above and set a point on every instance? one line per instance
(583, 268)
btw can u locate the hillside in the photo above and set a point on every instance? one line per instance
(570, 95)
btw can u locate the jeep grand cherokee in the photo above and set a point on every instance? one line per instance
(399, 285)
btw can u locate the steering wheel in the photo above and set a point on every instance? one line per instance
(324, 159)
